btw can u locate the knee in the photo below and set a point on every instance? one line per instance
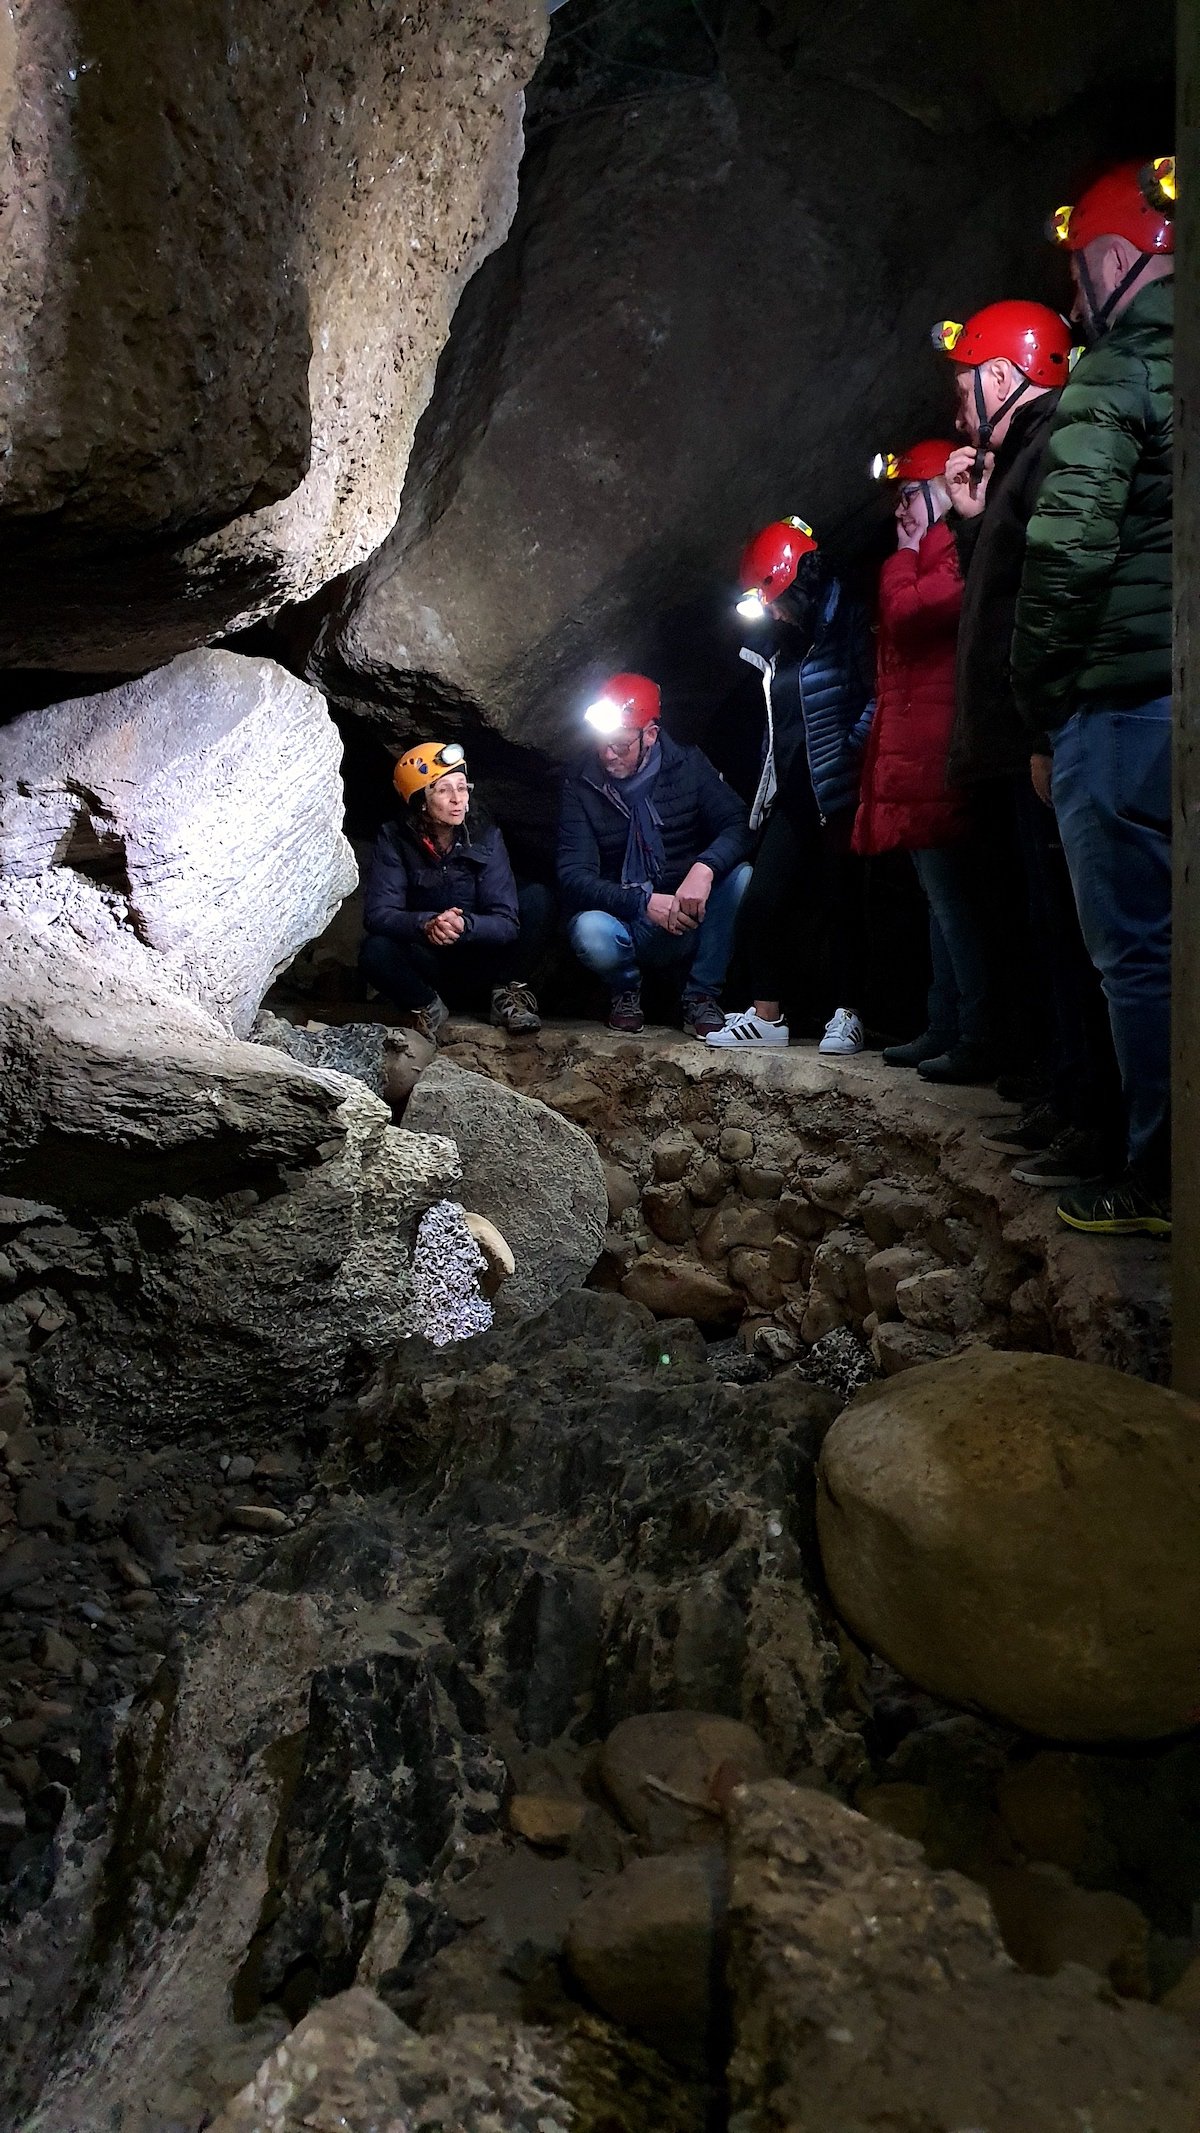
(594, 937)
(374, 956)
(740, 880)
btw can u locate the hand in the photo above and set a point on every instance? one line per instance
(907, 535)
(664, 911)
(1040, 769)
(959, 469)
(445, 929)
(694, 891)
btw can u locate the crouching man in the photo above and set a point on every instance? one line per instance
(652, 850)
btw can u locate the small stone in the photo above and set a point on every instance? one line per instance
(707, 1181)
(56, 1652)
(751, 1271)
(622, 1189)
(789, 1260)
(800, 1217)
(37, 1504)
(1046, 1922)
(835, 1189)
(132, 1573)
(896, 1347)
(735, 1145)
(889, 1212)
(259, 1518)
(642, 1944)
(943, 1300)
(680, 1288)
(886, 1269)
(752, 1226)
(240, 1468)
(667, 1772)
(758, 1183)
(775, 1345)
(93, 1612)
(670, 1155)
(548, 1820)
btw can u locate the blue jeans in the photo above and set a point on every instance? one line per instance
(958, 996)
(619, 951)
(1112, 797)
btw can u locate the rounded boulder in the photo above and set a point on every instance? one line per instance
(1022, 1533)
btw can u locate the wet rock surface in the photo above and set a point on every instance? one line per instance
(1024, 1534)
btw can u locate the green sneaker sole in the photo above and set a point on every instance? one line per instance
(1127, 1226)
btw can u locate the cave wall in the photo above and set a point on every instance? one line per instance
(715, 306)
(231, 242)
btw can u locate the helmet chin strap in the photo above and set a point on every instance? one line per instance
(1098, 314)
(987, 423)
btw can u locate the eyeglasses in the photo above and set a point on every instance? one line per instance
(625, 747)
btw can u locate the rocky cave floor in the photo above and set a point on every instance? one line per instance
(365, 1707)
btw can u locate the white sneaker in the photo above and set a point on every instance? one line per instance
(747, 1031)
(843, 1035)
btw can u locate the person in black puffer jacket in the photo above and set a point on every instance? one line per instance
(819, 689)
(443, 916)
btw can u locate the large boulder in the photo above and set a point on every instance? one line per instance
(610, 425)
(231, 252)
(1023, 1532)
(869, 1991)
(531, 1172)
(207, 796)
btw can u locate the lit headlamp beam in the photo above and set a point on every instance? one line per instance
(752, 607)
(604, 716)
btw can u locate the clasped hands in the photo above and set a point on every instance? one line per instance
(444, 928)
(684, 911)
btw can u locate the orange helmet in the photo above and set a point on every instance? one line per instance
(770, 563)
(921, 462)
(1032, 337)
(422, 766)
(627, 703)
(1133, 200)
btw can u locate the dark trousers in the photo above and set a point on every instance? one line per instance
(410, 973)
(959, 995)
(806, 881)
(1085, 1084)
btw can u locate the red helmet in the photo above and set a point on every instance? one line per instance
(772, 559)
(1031, 336)
(1133, 200)
(627, 703)
(922, 462)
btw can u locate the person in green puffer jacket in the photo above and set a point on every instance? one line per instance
(1091, 653)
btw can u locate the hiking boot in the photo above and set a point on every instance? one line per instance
(701, 1016)
(843, 1035)
(747, 1032)
(931, 1045)
(1074, 1157)
(1031, 1134)
(1124, 1207)
(625, 1013)
(964, 1065)
(514, 1009)
(430, 1020)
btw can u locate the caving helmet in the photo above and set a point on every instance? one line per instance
(921, 464)
(770, 563)
(423, 765)
(1135, 201)
(627, 704)
(1032, 337)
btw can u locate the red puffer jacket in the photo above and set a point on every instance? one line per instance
(906, 803)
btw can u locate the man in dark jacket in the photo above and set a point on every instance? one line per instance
(1013, 358)
(1091, 656)
(652, 847)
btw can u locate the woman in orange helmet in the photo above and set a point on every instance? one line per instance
(442, 913)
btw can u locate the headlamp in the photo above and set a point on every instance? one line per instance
(752, 607)
(885, 467)
(451, 755)
(604, 716)
(1058, 225)
(801, 525)
(1157, 180)
(947, 334)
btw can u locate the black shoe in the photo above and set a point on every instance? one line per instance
(1125, 1207)
(931, 1045)
(1026, 1088)
(964, 1064)
(1073, 1158)
(1031, 1134)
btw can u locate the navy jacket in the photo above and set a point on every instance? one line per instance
(409, 881)
(821, 709)
(702, 819)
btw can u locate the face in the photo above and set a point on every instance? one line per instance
(620, 756)
(999, 379)
(448, 798)
(911, 515)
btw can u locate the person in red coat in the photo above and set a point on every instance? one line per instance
(906, 804)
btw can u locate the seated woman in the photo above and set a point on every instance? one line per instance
(443, 916)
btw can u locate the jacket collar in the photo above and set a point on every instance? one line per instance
(670, 751)
(1152, 306)
(1026, 423)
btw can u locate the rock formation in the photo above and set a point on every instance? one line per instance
(1023, 1533)
(231, 252)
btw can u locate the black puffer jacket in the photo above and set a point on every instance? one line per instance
(989, 738)
(410, 879)
(702, 819)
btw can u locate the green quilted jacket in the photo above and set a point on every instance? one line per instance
(1093, 619)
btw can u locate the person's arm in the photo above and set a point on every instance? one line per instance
(725, 821)
(920, 591)
(495, 919)
(385, 900)
(583, 886)
(1074, 536)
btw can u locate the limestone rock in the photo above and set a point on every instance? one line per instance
(884, 1272)
(668, 1212)
(889, 1212)
(1023, 1532)
(211, 378)
(941, 1300)
(207, 797)
(869, 1991)
(532, 1172)
(622, 1189)
(1046, 1922)
(670, 1773)
(751, 1271)
(671, 1155)
(896, 1346)
(682, 1288)
(750, 1225)
(548, 1820)
(641, 1945)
